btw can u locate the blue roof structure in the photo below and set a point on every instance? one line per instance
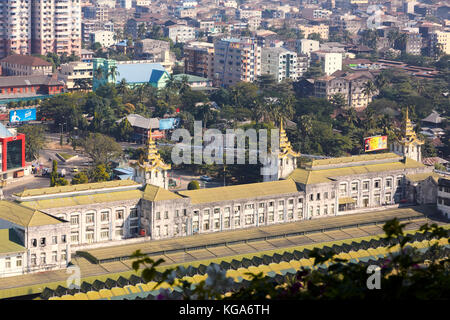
(139, 72)
(156, 75)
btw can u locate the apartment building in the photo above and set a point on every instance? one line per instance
(236, 60)
(199, 59)
(90, 26)
(15, 27)
(180, 33)
(332, 61)
(413, 43)
(105, 38)
(306, 46)
(279, 62)
(247, 13)
(322, 29)
(75, 72)
(349, 85)
(442, 39)
(56, 27)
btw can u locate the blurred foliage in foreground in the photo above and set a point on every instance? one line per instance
(406, 274)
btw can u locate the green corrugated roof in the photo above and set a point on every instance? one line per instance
(243, 191)
(75, 188)
(306, 176)
(83, 200)
(7, 243)
(190, 78)
(422, 176)
(154, 193)
(24, 216)
(352, 159)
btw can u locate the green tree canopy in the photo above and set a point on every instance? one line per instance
(34, 140)
(101, 148)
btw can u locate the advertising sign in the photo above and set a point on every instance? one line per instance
(22, 115)
(168, 124)
(375, 143)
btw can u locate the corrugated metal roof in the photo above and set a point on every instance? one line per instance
(7, 243)
(243, 191)
(24, 216)
(75, 188)
(85, 199)
(139, 72)
(154, 193)
(307, 176)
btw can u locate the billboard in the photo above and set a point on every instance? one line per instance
(375, 143)
(168, 123)
(22, 115)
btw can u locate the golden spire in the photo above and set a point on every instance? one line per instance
(409, 135)
(285, 145)
(153, 158)
(151, 148)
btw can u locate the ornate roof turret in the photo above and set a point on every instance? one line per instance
(409, 135)
(153, 158)
(285, 145)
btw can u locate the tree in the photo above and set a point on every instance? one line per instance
(193, 185)
(101, 149)
(113, 73)
(54, 174)
(61, 182)
(369, 89)
(34, 140)
(80, 178)
(99, 174)
(338, 101)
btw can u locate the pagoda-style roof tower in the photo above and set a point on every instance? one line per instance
(153, 159)
(409, 145)
(409, 135)
(285, 145)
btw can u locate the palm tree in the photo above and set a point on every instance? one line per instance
(122, 87)
(381, 81)
(392, 37)
(99, 73)
(338, 101)
(369, 89)
(171, 83)
(82, 84)
(113, 73)
(140, 90)
(306, 124)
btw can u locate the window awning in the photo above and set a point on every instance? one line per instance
(346, 200)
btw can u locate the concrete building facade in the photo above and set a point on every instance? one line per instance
(279, 62)
(199, 59)
(236, 60)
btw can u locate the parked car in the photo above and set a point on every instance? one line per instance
(206, 178)
(75, 169)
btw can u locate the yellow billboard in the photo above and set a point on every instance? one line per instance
(375, 143)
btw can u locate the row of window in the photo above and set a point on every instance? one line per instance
(43, 241)
(43, 258)
(8, 262)
(377, 184)
(104, 216)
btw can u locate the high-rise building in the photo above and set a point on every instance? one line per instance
(279, 62)
(56, 27)
(15, 27)
(199, 59)
(40, 27)
(236, 60)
